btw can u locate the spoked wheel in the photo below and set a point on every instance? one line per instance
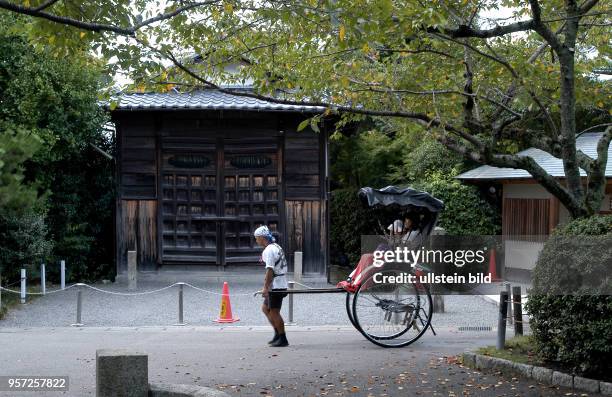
(390, 314)
(349, 309)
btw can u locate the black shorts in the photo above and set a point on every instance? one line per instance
(274, 300)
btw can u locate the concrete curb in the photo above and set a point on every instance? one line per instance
(539, 374)
(177, 390)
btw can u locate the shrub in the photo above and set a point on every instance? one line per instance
(348, 221)
(465, 213)
(575, 330)
(23, 242)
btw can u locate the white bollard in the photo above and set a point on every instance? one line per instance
(132, 270)
(509, 291)
(43, 279)
(63, 274)
(180, 305)
(297, 266)
(291, 286)
(23, 285)
(79, 308)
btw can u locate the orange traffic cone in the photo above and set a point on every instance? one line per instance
(493, 267)
(225, 314)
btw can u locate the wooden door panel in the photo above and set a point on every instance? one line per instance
(251, 195)
(188, 195)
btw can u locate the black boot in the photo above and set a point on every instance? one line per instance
(275, 338)
(281, 341)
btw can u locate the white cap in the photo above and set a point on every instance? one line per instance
(262, 231)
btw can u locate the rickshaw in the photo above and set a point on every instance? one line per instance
(390, 314)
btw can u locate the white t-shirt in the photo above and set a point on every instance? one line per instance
(274, 258)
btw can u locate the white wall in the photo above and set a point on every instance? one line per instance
(524, 254)
(525, 190)
(521, 254)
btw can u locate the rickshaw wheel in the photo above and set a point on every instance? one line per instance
(391, 315)
(349, 309)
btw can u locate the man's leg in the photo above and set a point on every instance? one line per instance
(279, 325)
(266, 310)
(277, 320)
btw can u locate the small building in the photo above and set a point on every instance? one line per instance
(198, 172)
(530, 212)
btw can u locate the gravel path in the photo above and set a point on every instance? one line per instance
(200, 308)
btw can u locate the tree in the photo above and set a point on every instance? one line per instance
(58, 186)
(16, 147)
(476, 83)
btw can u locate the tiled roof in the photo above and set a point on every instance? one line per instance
(209, 99)
(552, 165)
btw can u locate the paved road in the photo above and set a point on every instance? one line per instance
(321, 361)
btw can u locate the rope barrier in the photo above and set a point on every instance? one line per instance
(214, 293)
(127, 293)
(38, 293)
(134, 293)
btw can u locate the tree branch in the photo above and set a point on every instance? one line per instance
(587, 5)
(502, 62)
(542, 29)
(463, 31)
(99, 27)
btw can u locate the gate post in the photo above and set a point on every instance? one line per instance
(518, 310)
(63, 274)
(43, 279)
(291, 286)
(297, 265)
(23, 286)
(501, 323)
(131, 270)
(180, 305)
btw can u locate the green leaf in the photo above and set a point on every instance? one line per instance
(303, 124)
(314, 124)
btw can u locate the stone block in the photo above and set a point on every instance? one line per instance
(469, 359)
(502, 365)
(483, 362)
(605, 388)
(542, 375)
(524, 370)
(132, 270)
(562, 379)
(121, 372)
(586, 384)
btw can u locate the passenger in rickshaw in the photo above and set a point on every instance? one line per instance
(409, 229)
(409, 232)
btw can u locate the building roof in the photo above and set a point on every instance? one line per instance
(552, 165)
(209, 99)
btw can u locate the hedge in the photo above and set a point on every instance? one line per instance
(348, 221)
(570, 305)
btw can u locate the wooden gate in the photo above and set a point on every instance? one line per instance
(214, 193)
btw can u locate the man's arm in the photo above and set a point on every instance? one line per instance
(268, 281)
